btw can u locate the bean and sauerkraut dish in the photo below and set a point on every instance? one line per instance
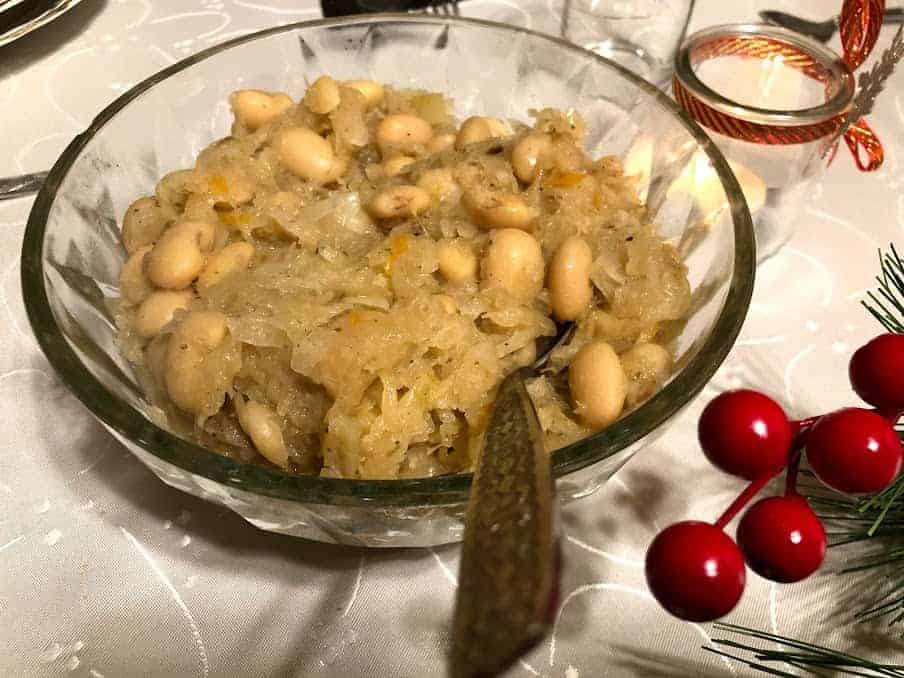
(339, 286)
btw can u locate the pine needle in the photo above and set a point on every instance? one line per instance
(793, 653)
(876, 520)
(886, 304)
(875, 524)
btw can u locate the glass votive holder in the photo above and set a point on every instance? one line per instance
(773, 101)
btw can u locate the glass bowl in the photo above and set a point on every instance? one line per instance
(72, 253)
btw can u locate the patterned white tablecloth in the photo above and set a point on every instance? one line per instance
(104, 571)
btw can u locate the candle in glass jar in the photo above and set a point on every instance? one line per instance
(768, 100)
(638, 163)
(700, 180)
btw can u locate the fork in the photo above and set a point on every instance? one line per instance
(332, 8)
(449, 8)
(7, 4)
(16, 187)
(821, 30)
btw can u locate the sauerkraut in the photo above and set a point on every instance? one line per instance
(344, 312)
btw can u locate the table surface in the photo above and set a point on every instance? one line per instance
(104, 571)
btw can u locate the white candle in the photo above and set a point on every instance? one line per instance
(638, 163)
(700, 180)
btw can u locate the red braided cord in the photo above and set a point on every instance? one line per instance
(761, 48)
(860, 137)
(859, 26)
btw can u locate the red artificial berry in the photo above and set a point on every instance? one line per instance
(745, 433)
(877, 372)
(695, 571)
(782, 539)
(854, 450)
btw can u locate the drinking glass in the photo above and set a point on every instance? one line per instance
(641, 35)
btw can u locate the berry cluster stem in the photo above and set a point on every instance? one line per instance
(742, 500)
(791, 475)
(800, 430)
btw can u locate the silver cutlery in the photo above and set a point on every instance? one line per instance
(16, 187)
(331, 8)
(7, 4)
(821, 30)
(509, 573)
(449, 8)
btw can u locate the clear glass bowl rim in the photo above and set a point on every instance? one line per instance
(834, 65)
(131, 425)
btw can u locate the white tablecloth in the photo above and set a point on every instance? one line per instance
(104, 571)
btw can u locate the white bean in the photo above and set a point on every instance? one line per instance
(646, 366)
(194, 338)
(322, 96)
(597, 384)
(142, 224)
(457, 261)
(175, 187)
(439, 182)
(399, 201)
(440, 143)
(178, 256)
(158, 309)
(396, 165)
(372, 91)
(495, 209)
(526, 154)
(254, 108)
(262, 426)
(133, 283)
(205, 328)
(478, 128)
(221, 263)
(514, 261)
(402, 131)
(309, 156)
(570, 291)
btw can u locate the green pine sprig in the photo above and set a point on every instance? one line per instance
(873, 530)
(788, 653)
(887, 303)
(873, 525)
